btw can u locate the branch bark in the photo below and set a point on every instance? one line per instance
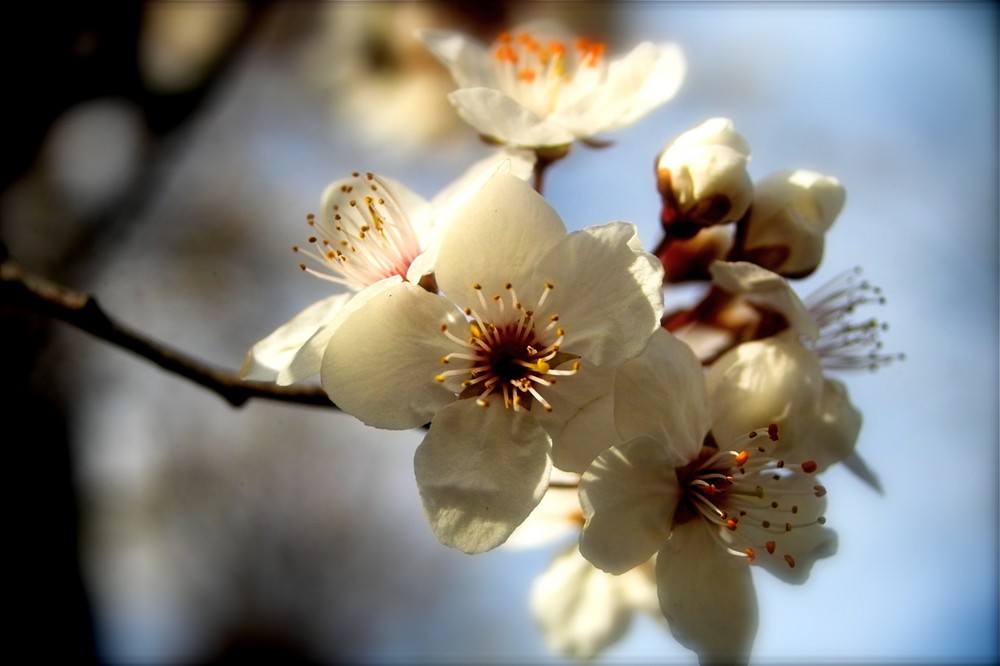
(24, 291)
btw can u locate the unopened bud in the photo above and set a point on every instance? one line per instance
(788, 221)
(703, 179)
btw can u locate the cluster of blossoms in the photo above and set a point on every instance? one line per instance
(683, 446)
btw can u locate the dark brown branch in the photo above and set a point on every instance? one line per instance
(23, 291)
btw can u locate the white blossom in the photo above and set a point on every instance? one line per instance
(539, 86)
(705, 507)
(370, 228)
(528, 327)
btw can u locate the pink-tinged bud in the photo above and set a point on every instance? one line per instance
(703, 179)
(788, 221)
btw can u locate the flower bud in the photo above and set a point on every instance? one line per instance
(790, 214)
(703, 179)
(689, 258)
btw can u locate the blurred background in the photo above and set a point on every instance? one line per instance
(163, 157)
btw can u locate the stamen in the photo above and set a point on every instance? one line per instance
(536, 72)
(505, 354)
(375, 235)
(845, 343)
(737, 490)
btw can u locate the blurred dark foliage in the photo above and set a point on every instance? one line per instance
(59, 56)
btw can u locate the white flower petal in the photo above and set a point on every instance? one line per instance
(517, 163)
(778, 380)
(767, 290)
(480, 472)
(707, 595)
(805, 546)
(498, 115)
(468, 62)
(581, 609)
(773, 380)
(661, 394)
(447, 202)
(661, 78)
(714, 132)
(381, 361)
(628, 497)
(635, 84)
(309, 358)
(836, 427)
(589, 433)
(271, 357)
(608, 297)
(497, 237)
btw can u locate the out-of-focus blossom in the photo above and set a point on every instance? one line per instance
(539, 86)
(182, 41)
(583, 610)
(789, 217)
(364, 58)
(370, 228)
(702, 177)
(580, 609)
(528, 327)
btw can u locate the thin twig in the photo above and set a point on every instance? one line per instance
(24, 291)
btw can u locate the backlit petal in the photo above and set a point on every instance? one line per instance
(497, 237)
(661, 394)
(269, 358)
(381, 361)
(498, 115)
(707, 596)
(480, 472)
(628, 497)
(608, 296)
(581, 609)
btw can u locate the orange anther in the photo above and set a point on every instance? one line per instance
(770, 545)
(790, 560)
(741, 458)
(809, 466)
(506, 53)
(731, 524)
(750, 555)
(527, 75)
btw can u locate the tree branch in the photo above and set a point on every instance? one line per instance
(24, 291)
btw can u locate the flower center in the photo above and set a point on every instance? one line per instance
(846, 343)
(534, 72)
(364, 238)
(756, 501)
(506, 354)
